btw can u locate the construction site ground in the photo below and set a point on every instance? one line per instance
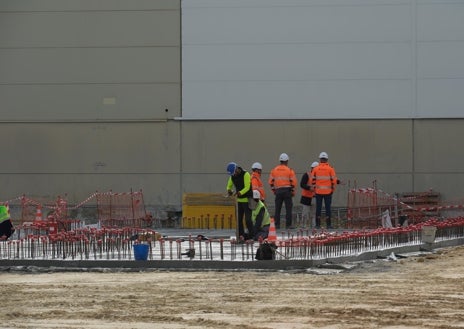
(408, 285)
(416, 290)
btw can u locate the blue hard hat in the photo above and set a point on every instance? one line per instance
(231, 166)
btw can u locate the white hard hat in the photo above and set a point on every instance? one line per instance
(323, 155)
(314, 164)
(257, 165)
(256, 194)
(284, 157)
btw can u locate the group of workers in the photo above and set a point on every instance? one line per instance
(319, 183)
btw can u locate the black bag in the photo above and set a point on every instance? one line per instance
(305, 200)
(266, 251)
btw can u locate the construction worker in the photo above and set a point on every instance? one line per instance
(283, 184)
(6, 227)
(256, 183)
(259, 216)
(324, 179)
(307, 194)
(240, 180)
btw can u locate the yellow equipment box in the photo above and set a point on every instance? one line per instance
(208, 211)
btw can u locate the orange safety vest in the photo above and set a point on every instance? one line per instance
(324, 179)
(257, 184)
(308, 193)
(282, 176)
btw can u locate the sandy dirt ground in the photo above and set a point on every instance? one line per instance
(413, 292)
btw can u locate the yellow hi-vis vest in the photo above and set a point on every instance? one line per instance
(4, 215)
(266, 217)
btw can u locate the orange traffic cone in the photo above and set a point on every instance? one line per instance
(38, 213)
(272, 237)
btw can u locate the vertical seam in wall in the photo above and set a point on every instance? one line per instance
(181, 142)
(414, 87)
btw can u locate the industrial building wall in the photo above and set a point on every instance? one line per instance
(322, 59)
(395, 155)
(87, 91)
(376, 84)
(159, 95)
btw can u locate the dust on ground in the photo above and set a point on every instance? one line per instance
(413, 292)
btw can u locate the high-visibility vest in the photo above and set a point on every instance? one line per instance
(242, 184)
(4, 215)
(266, 216)
(282, 176)
(257, 184)
(308, 193)
(324, 179)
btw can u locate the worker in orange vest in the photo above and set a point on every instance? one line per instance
(283, 184)
(256, 183)
(324, 179)
(307, 194)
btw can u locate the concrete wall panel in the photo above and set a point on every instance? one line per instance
(89, 102)
(440, 20)
(290, 22)
(78, 159)
(160, 191)
(299, 62)
(87, 148)
(437, 146)
(440, 47)
(314, 60)
(89, 60)
(87, 5)
(258, 99)
(361, 151)
(322, 59)
(440, 97)
(89, 65)
(89, 29)
(440, 60)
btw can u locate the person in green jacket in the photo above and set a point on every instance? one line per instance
(240, 180)
(259, 216)
(6, 227)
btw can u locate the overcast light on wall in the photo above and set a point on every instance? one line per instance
(294, 59)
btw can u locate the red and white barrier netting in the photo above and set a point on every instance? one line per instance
(125, 209)
(118, 243)
(366, 206)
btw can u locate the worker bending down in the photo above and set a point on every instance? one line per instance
(259, 216)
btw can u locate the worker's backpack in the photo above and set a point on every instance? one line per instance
(266, 251)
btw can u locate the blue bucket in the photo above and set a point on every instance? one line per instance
(141, 251)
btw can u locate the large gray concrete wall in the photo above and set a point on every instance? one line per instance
(90, 97)
(49, 159)
(395, 155)
(322, 59)
(87, 91)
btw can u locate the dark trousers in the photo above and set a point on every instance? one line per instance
(244, 212)
(283, 195)
(6, 228)
(327, 199)
(262, 233)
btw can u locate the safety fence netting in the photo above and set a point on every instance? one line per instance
(38, 216)
(370, 207)
(90, 243)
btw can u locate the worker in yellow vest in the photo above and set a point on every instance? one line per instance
(259, 216)
(6, 226)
